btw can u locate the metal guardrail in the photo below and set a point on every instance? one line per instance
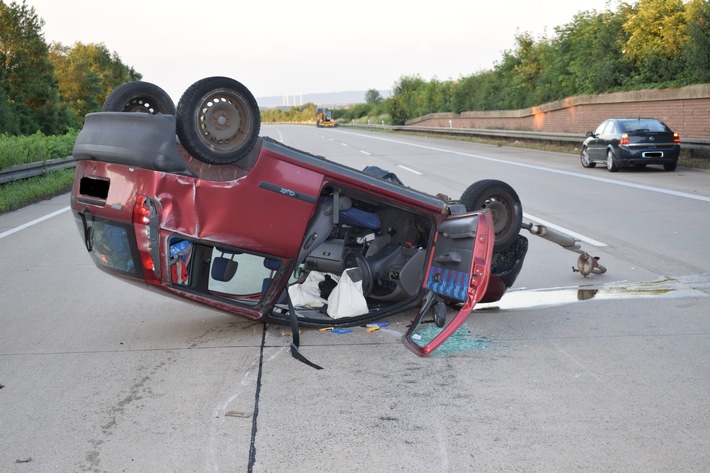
(23, 171)
(520, 134)
(691, 143)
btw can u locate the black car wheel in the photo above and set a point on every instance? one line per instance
(670, 166)
(505, 207)
(218, 120)
(611, 161)
(584, 157)
(141, 97)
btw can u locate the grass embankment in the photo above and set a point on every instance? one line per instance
(17, 150)
(15, 195)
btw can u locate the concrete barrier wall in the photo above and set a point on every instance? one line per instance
(686, 110)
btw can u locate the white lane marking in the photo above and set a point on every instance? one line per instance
(366, 153)
(544, 169)
(409, 169)
(575, 235)
(33, 222)
(344, 144)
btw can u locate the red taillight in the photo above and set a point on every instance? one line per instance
(145, 221)
(147, 261)
(676, 138)
(624, 139)
(141, 210)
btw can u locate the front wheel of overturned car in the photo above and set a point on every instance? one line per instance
(505, 206)
(218, 120)
(139, 96)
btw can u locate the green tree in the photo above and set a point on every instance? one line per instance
(396, 110)
(372, 96)
(8, 118)
(697, 53)
(86, 75)
(589, 53)
(29, 85)
(657, 34)
(409, 91)
(512, 90)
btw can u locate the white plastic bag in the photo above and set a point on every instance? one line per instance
(307, 294)
(347, 300)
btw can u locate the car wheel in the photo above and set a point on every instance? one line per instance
(505, 207)
(141, 97)
(670, 166)
(611, 161)
(218, 120)
(584, 157)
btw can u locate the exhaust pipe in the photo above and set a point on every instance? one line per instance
(586, 264)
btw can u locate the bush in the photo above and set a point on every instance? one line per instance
(16, 150)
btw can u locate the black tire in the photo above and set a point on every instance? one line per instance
(611, 161)
(670, 166)
(218, 120)
(505, 207)
(584, 158)
(139, 96)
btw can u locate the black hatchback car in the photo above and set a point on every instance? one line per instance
(622, 142)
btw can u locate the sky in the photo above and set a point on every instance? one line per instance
(293, 47)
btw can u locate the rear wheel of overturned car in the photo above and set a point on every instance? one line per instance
(139, 96)
(584, 158)
(504, 204)
(218, 120)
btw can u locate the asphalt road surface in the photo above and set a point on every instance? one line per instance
(609, 373)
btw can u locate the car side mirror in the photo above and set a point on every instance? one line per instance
(590, 134)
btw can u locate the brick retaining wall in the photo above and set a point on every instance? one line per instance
(686, 110)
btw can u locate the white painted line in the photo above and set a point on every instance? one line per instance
(344, 144)
(366, 153)
(33, 222)
(409, 169)
(579, 237)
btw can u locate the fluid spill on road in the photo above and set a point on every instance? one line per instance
(687, 286)
(462, 340)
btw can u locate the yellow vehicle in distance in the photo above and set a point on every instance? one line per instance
(324, 117)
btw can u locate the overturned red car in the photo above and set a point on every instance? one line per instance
(191, 201)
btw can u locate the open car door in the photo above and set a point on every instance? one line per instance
(458, 272)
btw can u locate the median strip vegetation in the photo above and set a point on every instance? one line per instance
(17, 150)
(15, 195)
